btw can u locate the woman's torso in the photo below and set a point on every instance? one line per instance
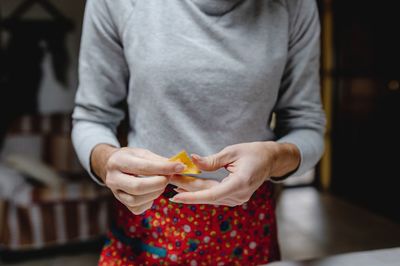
(201, 78)
(201, 81)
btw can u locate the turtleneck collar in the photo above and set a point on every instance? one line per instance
(216, 7)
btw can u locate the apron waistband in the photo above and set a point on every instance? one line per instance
(136, 244)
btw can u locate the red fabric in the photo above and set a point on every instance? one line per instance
(195, 234)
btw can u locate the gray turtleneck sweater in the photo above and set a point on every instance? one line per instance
(200, 75)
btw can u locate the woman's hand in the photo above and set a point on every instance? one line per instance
(135, 176)
(249, 164)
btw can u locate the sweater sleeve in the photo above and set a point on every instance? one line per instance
(300, 119)
(103, 78)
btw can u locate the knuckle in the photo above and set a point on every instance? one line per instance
(140, 209)
(231, 204)
(137, 187)
(243, 198)
(111, 163)
(110, 182)
(139, 152)
(212, 197)
(131, 201)
(148, 205)
(125, 149)
(146, 153)
(136, 210)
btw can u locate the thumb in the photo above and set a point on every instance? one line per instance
(213, 162)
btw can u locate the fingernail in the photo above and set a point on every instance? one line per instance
(179, 168)
(173, 200)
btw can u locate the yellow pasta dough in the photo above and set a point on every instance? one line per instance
(184, 158)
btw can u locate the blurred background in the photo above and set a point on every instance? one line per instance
(52, 214)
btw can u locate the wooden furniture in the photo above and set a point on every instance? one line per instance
(35, 216)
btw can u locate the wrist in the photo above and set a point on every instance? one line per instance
(286, 159)
(100, 155)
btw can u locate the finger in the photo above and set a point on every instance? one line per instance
(139, 166)
(134, 201)
(146, 154)
(215, 161)
(141, 209)
(139, 185)
(191, 183)
(208, 196)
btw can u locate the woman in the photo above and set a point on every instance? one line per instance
(205, 76)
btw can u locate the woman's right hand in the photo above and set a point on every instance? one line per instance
(135, 176)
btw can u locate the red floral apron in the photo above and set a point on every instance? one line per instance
(178, 234)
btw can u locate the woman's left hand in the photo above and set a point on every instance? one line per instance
(249, 164)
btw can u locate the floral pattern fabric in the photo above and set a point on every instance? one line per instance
(179, 234)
